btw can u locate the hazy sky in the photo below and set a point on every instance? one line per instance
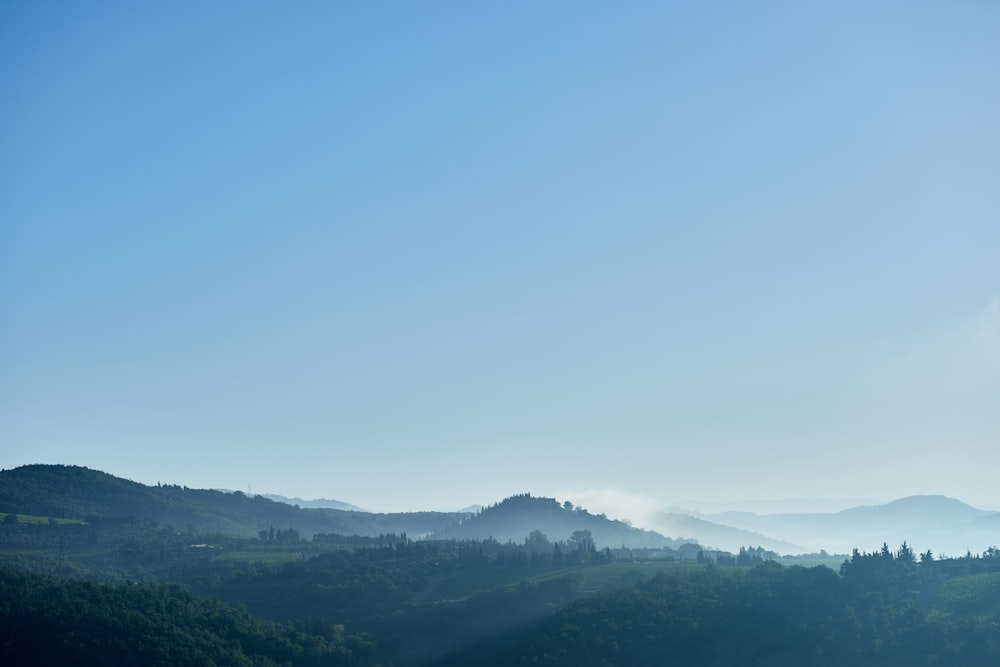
(427, 254)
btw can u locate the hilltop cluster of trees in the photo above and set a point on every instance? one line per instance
(507, 519)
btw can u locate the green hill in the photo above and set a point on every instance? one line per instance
(74, 492)
(518, 516)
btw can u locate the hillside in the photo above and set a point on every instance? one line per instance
(518, 516)
(717, 536)
(64, 622)
(73, 492)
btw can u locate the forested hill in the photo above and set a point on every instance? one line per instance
(518, 516)
(64, 622)
(73, 492)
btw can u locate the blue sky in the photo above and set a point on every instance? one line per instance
(421, 255)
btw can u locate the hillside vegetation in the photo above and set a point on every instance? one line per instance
(73, 492)
(124, 589)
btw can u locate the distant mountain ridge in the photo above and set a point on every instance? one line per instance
(944, 525)
(318, 503)
(927, 507)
